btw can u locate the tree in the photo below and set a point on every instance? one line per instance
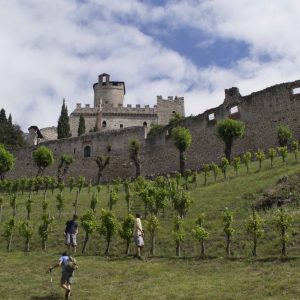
(284, 134)
(102, 161)
(224, 165)
(60, 203)
(1, 208)
(126, 231)
(283, 222)
(283, 152)
(43, 230)
(260, 156)
(228, 229)
(236, 164)
(109, 226)
(26, 231)
(9, 228)
(255, 229)
(81, 126)
(89, 225)
(181, 202)
(113, 198)
(128, 195)
(63, 127)
(295, 149)
(178, 233)
(63, 166)
(134, 149)
(247, 159)
(80, 184)
(7, 161)
(200, 234)
(229, 130)
(216, 170)
(152, 225)
(43, 158)
(94, 202)
(271, 154)
(175, 118)
(206, 169)
(182, 140)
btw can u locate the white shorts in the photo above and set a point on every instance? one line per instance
(71, 239)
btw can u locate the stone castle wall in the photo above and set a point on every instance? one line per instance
(262, 112)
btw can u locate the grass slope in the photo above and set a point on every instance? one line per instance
(23, 275)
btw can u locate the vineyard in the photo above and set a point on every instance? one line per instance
(200, 234)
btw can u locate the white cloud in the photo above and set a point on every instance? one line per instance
(56, 48)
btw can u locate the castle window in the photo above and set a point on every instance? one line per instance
(104, 79)
(296, 91)
(104, 124)
(145, 124)
(211, 117)
(121, 125)
(87, 151)
(74, 150)
(234, 110)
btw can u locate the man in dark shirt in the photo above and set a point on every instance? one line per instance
(71, 232)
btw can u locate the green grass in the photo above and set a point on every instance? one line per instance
(164, 276)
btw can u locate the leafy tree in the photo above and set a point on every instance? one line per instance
(295, 149)
(247, 159)
(43, 158)
(81, 126)
(29, 206)
(26, 231)
(60, 203)
(7, 161)
(152, 225)
(206, 169)
(71, 183)
(229, 130)
(228, 229)
(186, 175)
(63, 127)
(200, 234)
(284, 134)
(271, 154)
(224, 166)
(113, 198)
(43, 230)
(283, 222)
(134, 149)
(9, 228)
(63, 167)
(102, 161)
(283, 152)
(89, 225)
(236, 164)
(215, 169)
(80, 185)
(109, 226)
(176, 117)
(260, 156)
(13, 204)
(182, 140)
(128, 195)
(181, 202)
(94, 202)
(178, 233)
(255, 229)
(126, 231)
(1, 207)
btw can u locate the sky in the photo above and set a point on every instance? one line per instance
(55, 49)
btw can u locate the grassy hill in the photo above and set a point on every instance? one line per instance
(165, 276)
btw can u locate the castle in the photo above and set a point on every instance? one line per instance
(109, 112)
(262, 112)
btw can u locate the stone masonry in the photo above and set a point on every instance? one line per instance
(261, 111)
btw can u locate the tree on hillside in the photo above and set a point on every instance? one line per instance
(134, 149)
(89, 225)
(102, 161)
(7, 161)
(228, 229)
(10, 134)
(229, 130)
(81, 126)
(126, 231)
(182, 140)
(64, 164)
(43, 158)
(175, 118)
(284, 135)
(200, 234)
(63, 127)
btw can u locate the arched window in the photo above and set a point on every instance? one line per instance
(145, 124)
(121, 125)
(104, 124)
(87, 151)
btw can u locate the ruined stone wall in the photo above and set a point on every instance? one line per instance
(262, 112)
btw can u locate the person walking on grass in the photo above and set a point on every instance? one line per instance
(138, 235)
(71, 232)
(68, 266)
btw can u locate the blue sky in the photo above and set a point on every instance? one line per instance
(55, 49)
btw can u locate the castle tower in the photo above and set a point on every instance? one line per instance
(111, 92)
